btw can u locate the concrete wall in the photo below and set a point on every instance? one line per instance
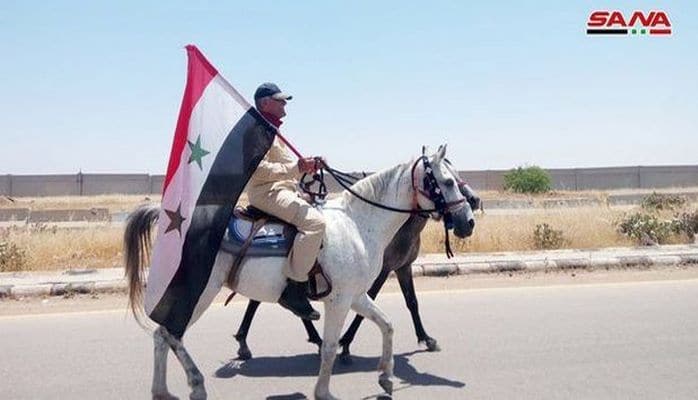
(95, 214)
(156, 183)
(563, 179)
(5, 185)
(14, 214)
(93, 184)
(484, 180)
(608, 178)
(476, 179)
(44, 185)
(676, 176)
(598, 178)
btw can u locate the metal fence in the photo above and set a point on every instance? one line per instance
(81, 184)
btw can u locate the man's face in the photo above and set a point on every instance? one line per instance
(274, 107)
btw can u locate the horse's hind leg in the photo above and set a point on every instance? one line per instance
(313, 336)
(194, 377)
(404, 276)
(368, 309)
(244, 352)
(159, 388)
(335, 314)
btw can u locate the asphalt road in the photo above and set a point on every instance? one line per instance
(634, 340)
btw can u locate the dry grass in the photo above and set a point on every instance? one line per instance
(555, 194)
(100, 247)
(115, 203)
(48, 247)
(51, 248)
(584, 228)
(122, 203)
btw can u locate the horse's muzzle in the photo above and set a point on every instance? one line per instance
(463, 222)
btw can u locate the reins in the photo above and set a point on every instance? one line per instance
(434, 194)
(345, 180)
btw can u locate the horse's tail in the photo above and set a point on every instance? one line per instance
(137, 246)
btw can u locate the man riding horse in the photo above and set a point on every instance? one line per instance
(189, 266)
(273, 189)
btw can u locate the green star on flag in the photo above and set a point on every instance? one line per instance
(197, 152)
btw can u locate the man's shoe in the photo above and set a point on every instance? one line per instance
(295, 300)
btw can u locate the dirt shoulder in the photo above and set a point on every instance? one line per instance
(117, 302)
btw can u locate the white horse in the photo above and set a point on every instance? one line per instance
(356, 236)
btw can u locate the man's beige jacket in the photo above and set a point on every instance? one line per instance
(277, 171)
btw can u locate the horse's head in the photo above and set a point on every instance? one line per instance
(470, 195)
(443, 190)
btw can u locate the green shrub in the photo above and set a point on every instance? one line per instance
(660, 201)
(647, 229)
(545, 237)
(531, 179)
(12, 257)
(688, 224)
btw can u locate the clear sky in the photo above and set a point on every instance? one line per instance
(96, 86)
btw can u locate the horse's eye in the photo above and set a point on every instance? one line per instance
(449, 182)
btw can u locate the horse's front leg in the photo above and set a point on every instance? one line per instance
(159, 388)
(194, 377)
(335, 314)
(348, 336)
(367, 308)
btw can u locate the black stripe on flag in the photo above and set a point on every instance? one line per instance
(237, 159)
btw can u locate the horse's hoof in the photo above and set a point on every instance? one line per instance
(164, 396)
(432, 345)
(345, 358)
(244, 354)
(386, 384)
(198, 394)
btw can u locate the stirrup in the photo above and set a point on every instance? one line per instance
(315, 274)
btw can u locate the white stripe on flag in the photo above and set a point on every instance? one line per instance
(213, 117)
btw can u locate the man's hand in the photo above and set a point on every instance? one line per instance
(309, 165)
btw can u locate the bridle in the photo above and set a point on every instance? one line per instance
(431, 191)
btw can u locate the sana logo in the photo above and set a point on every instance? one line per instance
(652, 23)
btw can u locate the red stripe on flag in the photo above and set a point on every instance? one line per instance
(200, 72)
(660, 31)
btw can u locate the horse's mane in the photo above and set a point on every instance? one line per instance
(374, 186)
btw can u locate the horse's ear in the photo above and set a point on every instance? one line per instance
(441, 153)
(425, 150)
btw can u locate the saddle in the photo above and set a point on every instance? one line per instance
(253, 233)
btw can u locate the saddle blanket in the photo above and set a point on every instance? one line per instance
(273, 239)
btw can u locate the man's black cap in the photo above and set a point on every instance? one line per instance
(269, 89)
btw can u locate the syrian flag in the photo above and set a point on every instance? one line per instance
(218, 143)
